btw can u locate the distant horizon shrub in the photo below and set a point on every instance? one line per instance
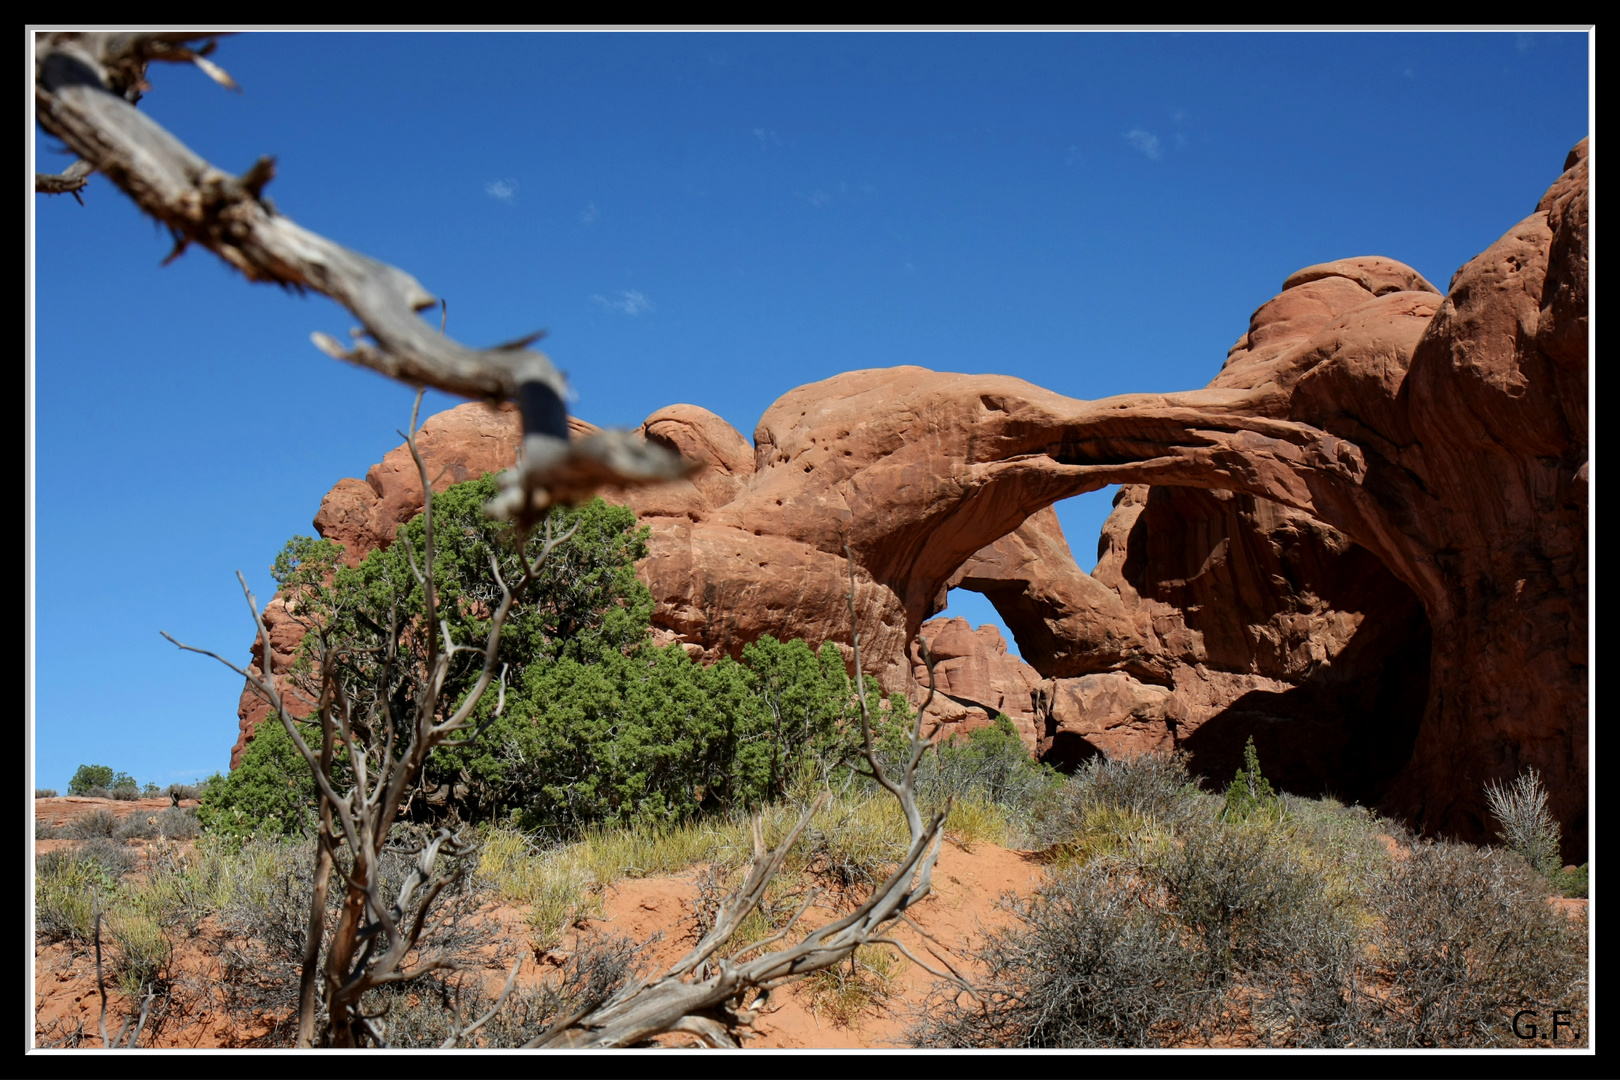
(87, 777)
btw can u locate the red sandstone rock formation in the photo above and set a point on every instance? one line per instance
(1376, 468)
(975, 678)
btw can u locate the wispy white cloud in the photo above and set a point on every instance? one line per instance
(505, 190)
(629, 302)
(767, 137)
(1073, 157)
(1145, 141)
(1524, 42)
(589, 214)
(818, 198)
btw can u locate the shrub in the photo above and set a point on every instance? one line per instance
(1273, 930)
(1238, 891)
(1147, 787)
(99, 822)
(1094, 962)
(184, 791)
(175, 823)
(137, 826)
(1466, 939)
(423, 1014)
(66, 893)
(112, 856)
(126, 792)
(1526, 827)
(847, 991)
(992, 765)
(270, 793)
(1571, 881)
(44, 793)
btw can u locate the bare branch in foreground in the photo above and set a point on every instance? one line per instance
(84, 91)
(66, 182)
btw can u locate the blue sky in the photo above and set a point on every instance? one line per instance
(710, 218)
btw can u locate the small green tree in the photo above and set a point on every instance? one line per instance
(269, 793)
(1249, 792)
(89, 777)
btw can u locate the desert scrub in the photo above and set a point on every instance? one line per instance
(557, 885)
(974, 819)
(1465, 940)
(426, 1014)
(1092, 962)
(852, 842)
(1290, 928)
(98, 822)
(1570, 881)
(993, 767)
(71, 886)
(1104, 831)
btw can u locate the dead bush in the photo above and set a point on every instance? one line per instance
(430, 1013)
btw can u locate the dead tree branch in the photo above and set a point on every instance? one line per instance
(85, 87)
(67, 182)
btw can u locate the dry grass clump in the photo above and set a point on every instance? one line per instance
(975, 819)
(1149, 787)
(848, 991)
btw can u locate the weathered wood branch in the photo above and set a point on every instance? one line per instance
(84, 92)
(67, 182)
